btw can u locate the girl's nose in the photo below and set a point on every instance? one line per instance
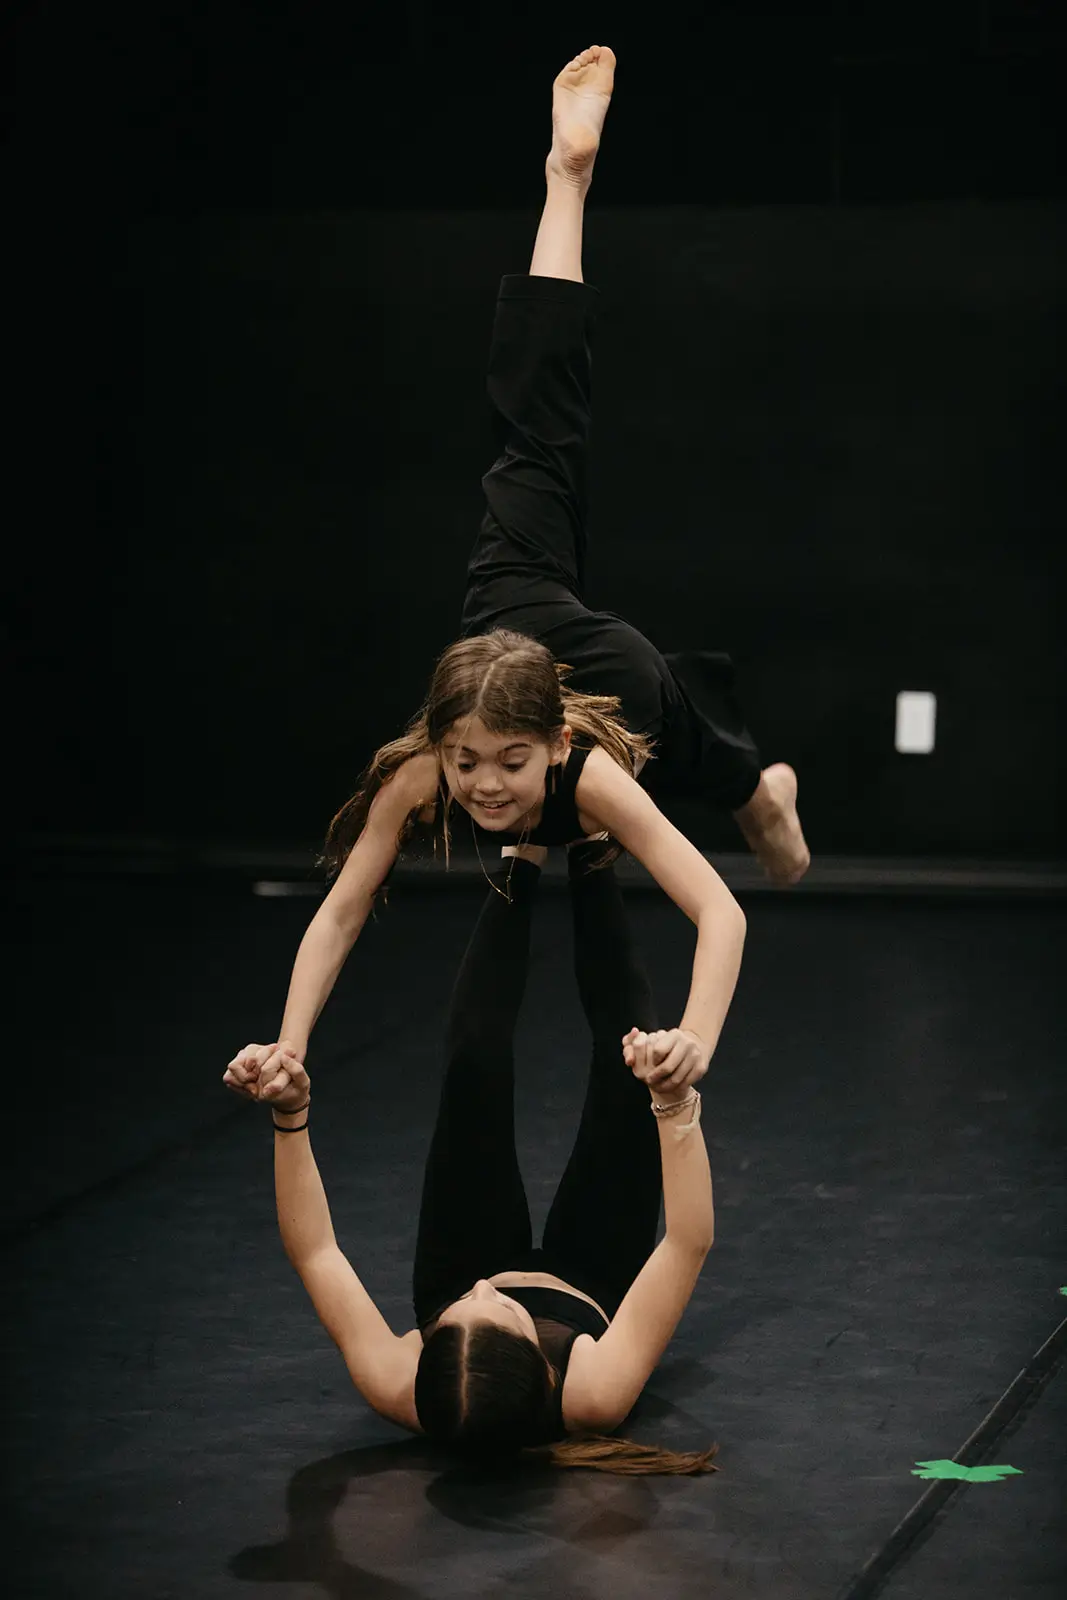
(483, 1290)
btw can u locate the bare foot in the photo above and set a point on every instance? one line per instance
(772, 828)
(580, 98)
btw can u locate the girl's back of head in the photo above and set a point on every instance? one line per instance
(494, 1394)
(484, 1387)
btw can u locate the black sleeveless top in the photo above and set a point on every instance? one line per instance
(559, 1318)
(559, 814)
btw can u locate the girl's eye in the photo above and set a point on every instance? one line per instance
(468, 766)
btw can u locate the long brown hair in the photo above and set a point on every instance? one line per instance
(607, 1453)
(495, 1395)
(514, 684)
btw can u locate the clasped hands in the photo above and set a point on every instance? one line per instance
(271, 1073)
(670, 1061)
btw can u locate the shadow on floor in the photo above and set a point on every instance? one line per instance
(473, 1495)
(309, 1552)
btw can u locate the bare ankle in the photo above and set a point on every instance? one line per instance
(558, 177)
(761, 806)
(557, 251)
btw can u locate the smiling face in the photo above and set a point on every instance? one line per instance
(499, 777)
(483, 1304)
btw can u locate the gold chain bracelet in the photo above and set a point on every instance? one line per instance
(672, 1109)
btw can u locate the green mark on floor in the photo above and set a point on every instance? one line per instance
(952, 1469)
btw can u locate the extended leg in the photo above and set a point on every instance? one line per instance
(474, 1213)
(580, 98)
(531, 546)
(603, 1221)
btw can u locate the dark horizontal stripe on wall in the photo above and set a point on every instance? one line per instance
(293, 872)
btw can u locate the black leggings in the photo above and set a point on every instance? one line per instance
(475, 1220)
(527, 568)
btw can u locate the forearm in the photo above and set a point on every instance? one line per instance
(322, 953)
(303, 1213)
(688, 1207)
(716, 964)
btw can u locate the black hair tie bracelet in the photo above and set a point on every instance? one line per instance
(291, 1111)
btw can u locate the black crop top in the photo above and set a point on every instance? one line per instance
(559, 1318)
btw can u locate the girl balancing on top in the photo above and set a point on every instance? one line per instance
(495, 734)
(497, 737)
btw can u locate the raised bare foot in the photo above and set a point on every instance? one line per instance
(772, 828)
(580, 98)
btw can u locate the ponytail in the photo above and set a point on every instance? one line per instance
(602, 1453)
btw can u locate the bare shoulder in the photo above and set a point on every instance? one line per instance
(607, 796)
(396, 1399)
(606, 1375)
(579, 1386)
(612, 800)
(600, 769)
(412, 786)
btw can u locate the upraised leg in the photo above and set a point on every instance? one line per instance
(474, 1213)
(580, 98)
(530, 548)
(601, 1227)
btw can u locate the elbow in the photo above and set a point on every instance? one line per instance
(306, 1261)
(703, 1231)
(345, 915)
(723, 913)
(297, 1249)
(739, 923)
(740, 928)
(694, 1241)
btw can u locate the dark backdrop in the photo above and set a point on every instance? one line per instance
(254, 303)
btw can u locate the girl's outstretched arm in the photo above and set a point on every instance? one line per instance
(338, 922)
(607, 1377)
(381, 1364)
(609, 798)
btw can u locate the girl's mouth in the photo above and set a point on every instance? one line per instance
(496, 805)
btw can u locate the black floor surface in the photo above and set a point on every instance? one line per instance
(886, 1115)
